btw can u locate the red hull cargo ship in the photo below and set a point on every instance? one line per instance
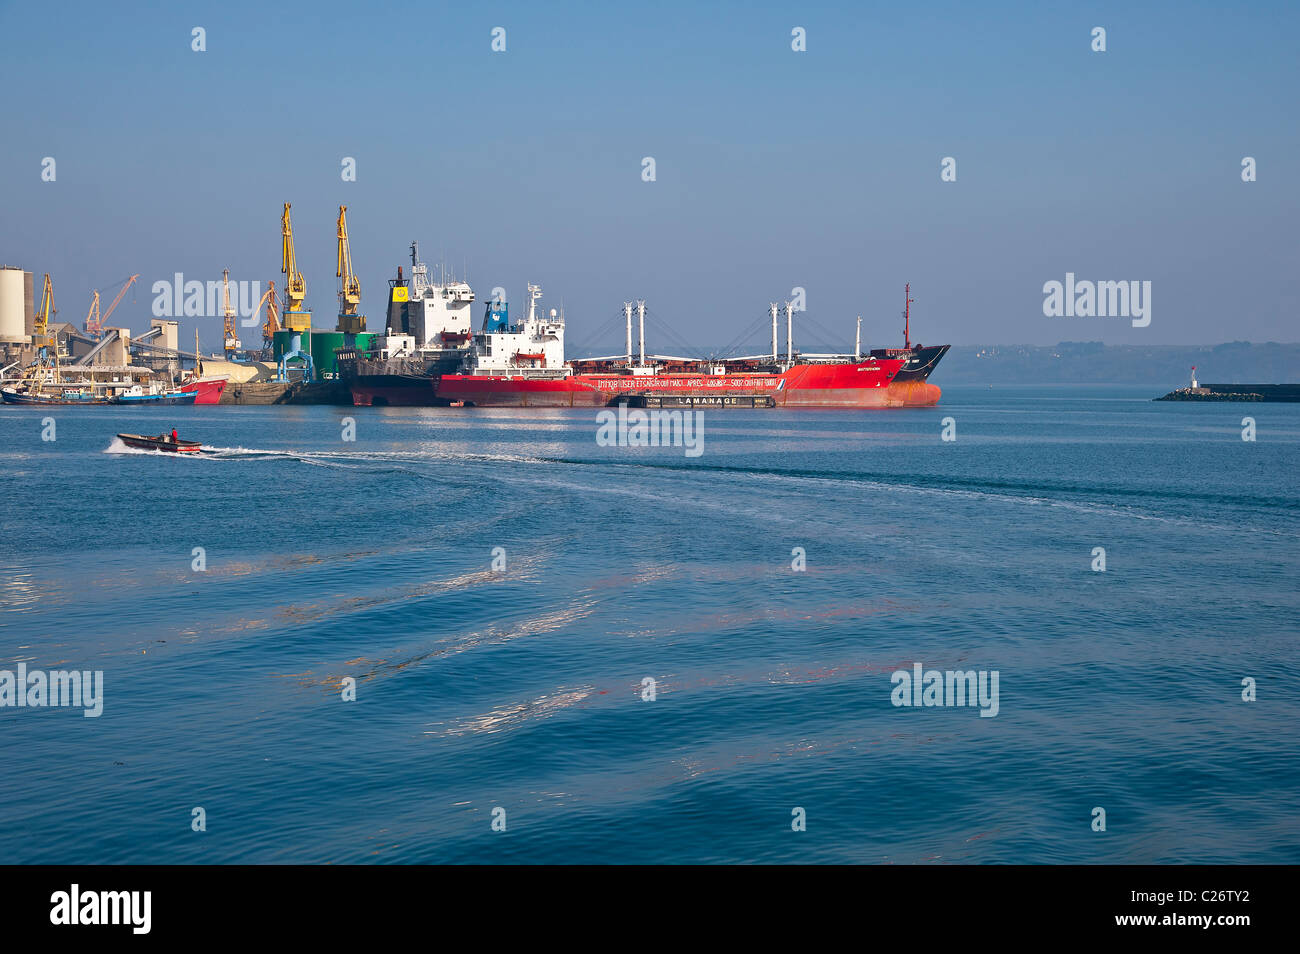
(428, 331)
(862, 384)
(523, 365)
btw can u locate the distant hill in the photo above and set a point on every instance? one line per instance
(1091, 362)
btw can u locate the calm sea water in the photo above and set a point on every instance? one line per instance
(522, 689)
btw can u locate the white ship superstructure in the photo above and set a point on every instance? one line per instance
(438, 316)
(532, 348)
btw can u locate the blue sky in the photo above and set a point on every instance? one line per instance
(775, 169)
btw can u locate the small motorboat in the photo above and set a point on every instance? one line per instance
(163, 442)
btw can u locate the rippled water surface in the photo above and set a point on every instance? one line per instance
(522, 689)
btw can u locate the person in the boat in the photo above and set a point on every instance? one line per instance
(174, 441)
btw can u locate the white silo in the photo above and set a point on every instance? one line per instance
(13, 320)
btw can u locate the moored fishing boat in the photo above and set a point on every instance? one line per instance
(153, 396)
(57, 395)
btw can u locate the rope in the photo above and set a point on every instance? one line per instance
(596, 336)
(805, 319)
(762, 322)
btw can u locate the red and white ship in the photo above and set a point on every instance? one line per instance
(430, 355)
(523, 366)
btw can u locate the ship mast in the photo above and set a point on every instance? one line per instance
(640, 310)
(907, 317)
(789, 335)
(627, 316)
(772, 308)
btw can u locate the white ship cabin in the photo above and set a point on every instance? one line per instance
(534, 346)
(441, 314)
(441, 317)
(393, 346)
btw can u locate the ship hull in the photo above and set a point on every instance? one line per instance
(399, 382)
(207, 391)
(45, 400)
(160, 443)
(396, 390)
(913, 394)
(171, 398)
(918, 363)
(579, 391)
(864, 384)
(851, 385)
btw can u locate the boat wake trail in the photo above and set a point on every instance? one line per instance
(208, 453)
(250, 453)
(353, 458)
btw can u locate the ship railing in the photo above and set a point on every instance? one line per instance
(806, 357)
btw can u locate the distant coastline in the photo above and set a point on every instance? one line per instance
(1162, 367)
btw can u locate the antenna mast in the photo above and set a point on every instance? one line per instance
(907, 317)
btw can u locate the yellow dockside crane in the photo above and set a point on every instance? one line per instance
(41, 329)
(350, 323)
(272, 323)
(296, 318)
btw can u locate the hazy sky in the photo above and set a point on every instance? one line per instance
(774, 168)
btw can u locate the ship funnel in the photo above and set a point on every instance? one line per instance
(497, 317)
